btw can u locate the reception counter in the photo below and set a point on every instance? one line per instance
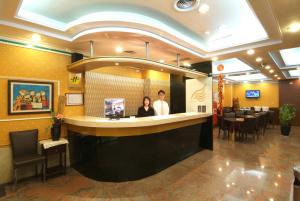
(134, 148)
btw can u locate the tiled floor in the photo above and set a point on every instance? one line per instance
(233, 171)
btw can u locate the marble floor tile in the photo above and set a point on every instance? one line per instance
(234, 171)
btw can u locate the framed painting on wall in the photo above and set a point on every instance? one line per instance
(26, 97)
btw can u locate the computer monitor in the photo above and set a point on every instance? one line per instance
(114, 107)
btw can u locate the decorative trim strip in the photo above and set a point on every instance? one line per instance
(36, 47)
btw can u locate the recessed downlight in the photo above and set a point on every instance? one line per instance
(271, 71)
(35, 38)
(186, 64)
(119, 49)
(161, 61)
(214, 59)
(267, 67)
(278, 78)
(275, 75)
(250, 52)
(207, 32)
(204, 8)
(294, 27)
(117, 64)
(258, 59)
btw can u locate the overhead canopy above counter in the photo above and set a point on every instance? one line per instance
(142, 63)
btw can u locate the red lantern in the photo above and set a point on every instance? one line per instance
(220, 67)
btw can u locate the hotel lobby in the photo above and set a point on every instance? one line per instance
(127, 100)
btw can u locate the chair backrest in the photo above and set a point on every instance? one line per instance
(257, 108)
(229, 115)
(239, 113)
(24, 142)
(249, 124)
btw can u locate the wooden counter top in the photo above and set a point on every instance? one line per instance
(97, 122)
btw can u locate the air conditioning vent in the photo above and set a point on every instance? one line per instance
(186, 5)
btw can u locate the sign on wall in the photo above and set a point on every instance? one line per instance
(75, 81)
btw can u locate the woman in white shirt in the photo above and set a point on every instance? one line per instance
(160, 106)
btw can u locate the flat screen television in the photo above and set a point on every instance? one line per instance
(114, 107)
(252, 93)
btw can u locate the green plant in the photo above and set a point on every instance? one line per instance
(287, 114)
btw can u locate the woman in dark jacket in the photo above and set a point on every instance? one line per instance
(146, 110)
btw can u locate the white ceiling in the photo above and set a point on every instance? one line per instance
(233, 65)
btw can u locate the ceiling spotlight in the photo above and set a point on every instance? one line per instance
(250, 52)
(245, 82)
(294, 27)
(117, 64)
(278, 78)
(186, 64)
(161, 61)
(119, 49)
(258, 59)
(267, 67)
(214, 59)
(204, 8)
(207, 32)
(35, 38)
(271, 71)
(248, 73)
(275, 75)
(261, 80)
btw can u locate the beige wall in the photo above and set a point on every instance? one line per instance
(269, 94)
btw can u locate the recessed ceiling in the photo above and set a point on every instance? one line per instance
(233, 65)
(294, 73)
(250, 77)
(67, 19)
(291, 56)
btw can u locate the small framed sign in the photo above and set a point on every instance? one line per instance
(73, 99)
(75, 81)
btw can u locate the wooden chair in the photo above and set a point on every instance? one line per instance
(25, 152)
(222, 126)
(248, 128)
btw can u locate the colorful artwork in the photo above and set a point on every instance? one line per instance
(29, 97)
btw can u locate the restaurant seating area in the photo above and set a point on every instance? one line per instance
(243, 123)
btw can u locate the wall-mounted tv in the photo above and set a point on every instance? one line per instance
(252, 93)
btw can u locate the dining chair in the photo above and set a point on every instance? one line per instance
(25, 152)
(223, 126)
(248, 128)
(229, 115)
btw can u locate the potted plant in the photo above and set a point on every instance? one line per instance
(287, 114)
(57, 121)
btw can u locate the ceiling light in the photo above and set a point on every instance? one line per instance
(291, 83)
(119, 49)
(35, 38)
(186, 64)
(250, 52)
(204, 8)
(248, 73)
(267, 67)
(161, 69)
(222, 27)
(207, 32)
(294, 27)
(161, 61)
(258, 59)
(298, 68)
(117, 64)
(278, 78)
(271, 71)
(261, 81)
(214, 59)
(275, 75)
(245, 82)
(271, 199)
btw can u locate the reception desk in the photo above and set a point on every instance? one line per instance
(134, 148)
